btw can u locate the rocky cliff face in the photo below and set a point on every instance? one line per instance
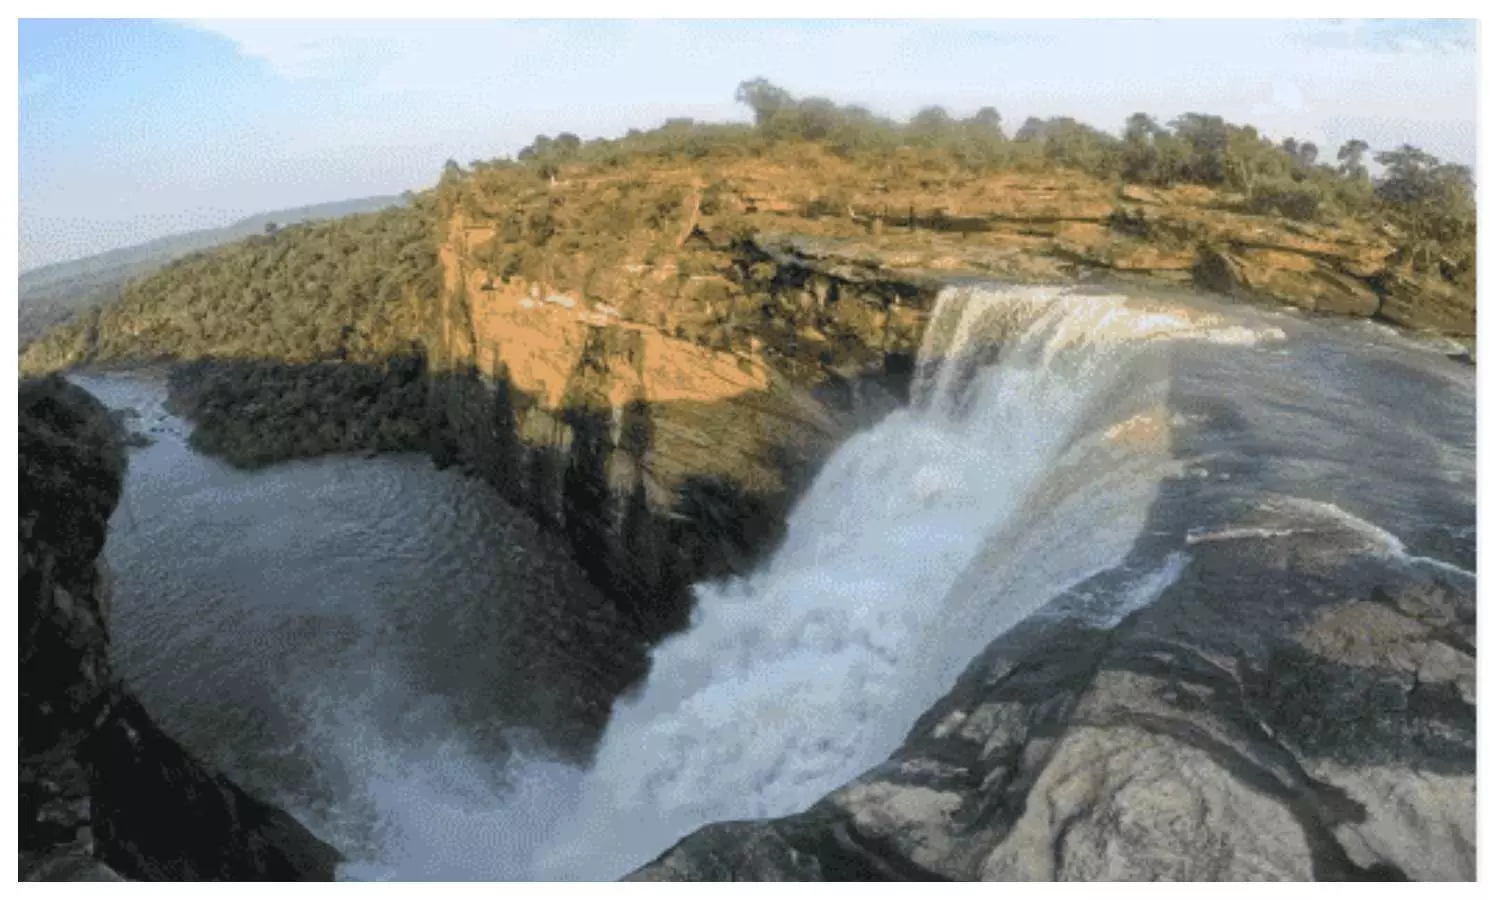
(658, 390)
(1072, 228)
(651, 357)
(658, 387)
(1299, 704)
(664, 456)
(104, 794)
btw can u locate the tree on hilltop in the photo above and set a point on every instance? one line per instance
(764, 99)
(1351, 158)
(987, 121)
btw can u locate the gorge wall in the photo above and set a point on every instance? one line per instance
(665, 460)
(662, 395)
(104, 794)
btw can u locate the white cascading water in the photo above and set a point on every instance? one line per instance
(1034, 419)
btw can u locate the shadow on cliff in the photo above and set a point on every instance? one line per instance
(644, 529)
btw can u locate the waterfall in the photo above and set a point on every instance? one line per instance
(402, 684)
(1035, 418)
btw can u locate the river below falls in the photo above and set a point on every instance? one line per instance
(386, 650)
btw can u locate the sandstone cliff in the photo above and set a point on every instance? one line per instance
(654, 366)
(653, 360)
(652, 355)
(651, 344)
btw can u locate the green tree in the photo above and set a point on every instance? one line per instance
(987, 121)
(1208, 139)
(1434, 202)
(814, 119)
(1140, 158)
(1141, 128)
(764, 99)
(539, 147)
(931, 119)
(1351, 158)
(1414, 177)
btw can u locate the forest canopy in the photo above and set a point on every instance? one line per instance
(336, 289)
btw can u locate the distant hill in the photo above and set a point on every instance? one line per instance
(53, 293)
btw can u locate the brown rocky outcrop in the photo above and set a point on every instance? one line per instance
(104, 794)
(667, 436)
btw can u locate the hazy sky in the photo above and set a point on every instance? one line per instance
(130, 130)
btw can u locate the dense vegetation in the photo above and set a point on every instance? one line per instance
(290, 344)
(255, 412)
(1425, 204)
(342, 289)
(52, 294)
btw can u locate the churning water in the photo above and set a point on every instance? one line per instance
(336, 649)
(370, 644)
(797, 679)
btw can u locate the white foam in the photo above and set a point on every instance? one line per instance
(1239, 534)
(451, 815)
(1378, 540)
(893, 574)
(415, 798)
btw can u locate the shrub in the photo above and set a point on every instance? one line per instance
(1284, 197)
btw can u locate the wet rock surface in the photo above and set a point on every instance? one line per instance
(1299, 704)
(104, 794)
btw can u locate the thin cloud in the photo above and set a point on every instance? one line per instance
(1399, 36)
(35, 84)
(303, 49)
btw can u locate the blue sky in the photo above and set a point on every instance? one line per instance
(130, 130)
